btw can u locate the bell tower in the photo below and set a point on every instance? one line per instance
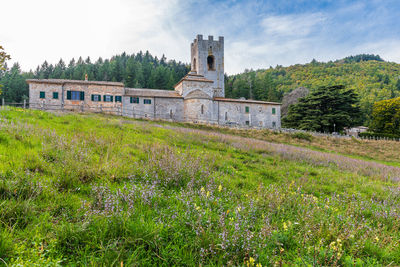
(207, 59)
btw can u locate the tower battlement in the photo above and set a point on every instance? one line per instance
(207, 59)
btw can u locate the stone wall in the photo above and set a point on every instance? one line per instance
(160, 108)
(259, 115)
(36, 102)
(62, 102)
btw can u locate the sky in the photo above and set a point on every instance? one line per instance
(257, 34)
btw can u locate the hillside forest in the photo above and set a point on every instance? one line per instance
(372, 78)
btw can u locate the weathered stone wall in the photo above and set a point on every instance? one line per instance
(35, 102)
(160, 108)
(62, 102)
(259, 115)
(200, 50)
(193, 111)
(190, 86)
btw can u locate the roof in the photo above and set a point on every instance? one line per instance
(223, 99)
(152, 93)
(194, 77)
(62, 81)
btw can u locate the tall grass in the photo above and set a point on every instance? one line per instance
(100, 190)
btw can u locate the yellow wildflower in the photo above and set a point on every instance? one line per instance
(202, 190)
(208, 193)
(219, 188)
(284, 226)
(259, 265)
(238, 209)
(251, 261)
(282, 250)
(376, 238)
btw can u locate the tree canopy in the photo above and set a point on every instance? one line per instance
(386, 117)
(3, 57)
(327, 109)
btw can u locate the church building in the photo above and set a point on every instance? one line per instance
(199, 97)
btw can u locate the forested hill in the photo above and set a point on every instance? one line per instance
(371, 77)
(141, 70)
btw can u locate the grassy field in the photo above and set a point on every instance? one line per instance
(85, 189)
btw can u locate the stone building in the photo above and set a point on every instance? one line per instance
(199, 97)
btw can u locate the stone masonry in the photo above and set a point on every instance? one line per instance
(199, 97)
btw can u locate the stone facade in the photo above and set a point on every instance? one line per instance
(199, 97)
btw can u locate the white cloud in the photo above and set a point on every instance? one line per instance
(292, 25)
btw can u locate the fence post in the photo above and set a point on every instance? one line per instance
(2, 103)
(24, 103)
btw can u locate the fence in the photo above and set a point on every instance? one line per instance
(119, 111)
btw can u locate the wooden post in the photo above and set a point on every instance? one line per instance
(24, 103)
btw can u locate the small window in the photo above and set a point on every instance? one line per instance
(226, 116)
(108, 98)
(247, 122)
(202, 109)
(118, 98)
(170, 113)
(273, 124)
(134, 100)
(55, 95)
(96, 98)
(147, 101)
(211, 63)
(260, 109)
(75, 95)
(42, 94)
(273, 111)
(247, 109)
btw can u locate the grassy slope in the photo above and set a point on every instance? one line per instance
(91, 189)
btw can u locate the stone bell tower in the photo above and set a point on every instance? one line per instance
(207, 57)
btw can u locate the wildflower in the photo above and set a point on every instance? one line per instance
(227, 212)
(258, 265)
(238, 209)
(202, 190)
(281, 250)
(208, 193)
(251, 261)
(219, 188)
(285, 226)
(376, 238)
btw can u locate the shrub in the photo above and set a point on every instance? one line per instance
(302, 135)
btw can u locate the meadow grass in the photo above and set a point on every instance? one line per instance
(85, 189)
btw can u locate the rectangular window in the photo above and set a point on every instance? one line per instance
(134, 100)
(96, 98)
(273, 111)
(274, 124)
(42, 94)
(247, 123)
(146, 101)
(118, 98)
(55, 95)
(108, 98)
(75, 95)
(247, 109)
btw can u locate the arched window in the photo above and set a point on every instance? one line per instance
(202, 109)
(211, 62)
(194, 64)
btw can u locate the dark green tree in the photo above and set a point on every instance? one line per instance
(327, 109)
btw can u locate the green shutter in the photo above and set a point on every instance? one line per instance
(111, 98)
(42, 94)
(92, 97)
(82, 95)
(69, 95)
(247, 109)
(104, 98)
(273, 111)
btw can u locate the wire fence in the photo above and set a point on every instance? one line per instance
(172, 117)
